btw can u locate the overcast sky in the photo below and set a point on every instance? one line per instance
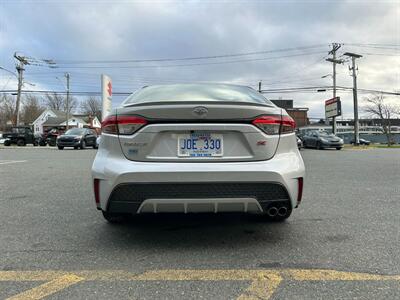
(82, 31)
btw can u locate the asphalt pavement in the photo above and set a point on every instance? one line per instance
(343, 241)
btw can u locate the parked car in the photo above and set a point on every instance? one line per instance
(299, 142)
(52, 135)
(77, 138)
(19, 135)
(40, 138)
(322, 140)
(98, 141)
(2, 139)
(362, 142)
(194, 148)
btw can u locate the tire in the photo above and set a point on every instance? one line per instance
(83, 144)
(21, 142)
(35, 144)
(76, 147)
(7, 143)
(42, 143)
(318, 146)
(60, 147)
(338, 148)
(95, 146)
(115, 218)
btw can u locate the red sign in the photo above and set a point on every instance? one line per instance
(109, 89)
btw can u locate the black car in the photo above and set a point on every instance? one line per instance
(362, 142)
(77, 138)
(322, 140)
(20, 135)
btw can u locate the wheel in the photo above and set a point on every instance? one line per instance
(7, 143)
(21, 142)
(35, 143)
(60, 147)
(95, 146)
(83, 144)
(319, 147)
(42, 143)
(338, 148)
(115, 218)
(76, 147)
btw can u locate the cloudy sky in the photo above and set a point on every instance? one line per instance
(282, 43)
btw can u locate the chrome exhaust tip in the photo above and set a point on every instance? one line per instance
(282, 211)
(272, 211)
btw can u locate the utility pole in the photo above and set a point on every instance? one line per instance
(20, 69)
(355, 100)
(334, 61)
(67, 77)
(259, 86)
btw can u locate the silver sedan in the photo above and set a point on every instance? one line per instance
(194, 148)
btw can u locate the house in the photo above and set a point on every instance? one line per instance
(51, 118)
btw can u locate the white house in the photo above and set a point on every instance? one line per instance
(48, 113)
(53, 118)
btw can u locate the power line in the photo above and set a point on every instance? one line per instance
(189, 58)
(278, 90)
(192, 64)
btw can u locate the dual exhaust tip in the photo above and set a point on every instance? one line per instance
(275, 211)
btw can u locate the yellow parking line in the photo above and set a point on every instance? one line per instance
(262, 287)
(263, 282)
(325, 275)
(199, 275)
(48, 288)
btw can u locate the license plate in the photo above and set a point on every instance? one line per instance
(200, 144)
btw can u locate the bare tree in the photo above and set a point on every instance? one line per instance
(378, 108)
(92, 106)
(59, 102)
(7, 110)
(32, 108)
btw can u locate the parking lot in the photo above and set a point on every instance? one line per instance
(342, 243)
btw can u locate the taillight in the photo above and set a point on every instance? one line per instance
(275, 124)
(96, 187)
(109, 125)
(123, 125)
(288, 124)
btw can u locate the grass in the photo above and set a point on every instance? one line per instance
(386, 146)
(364, 147)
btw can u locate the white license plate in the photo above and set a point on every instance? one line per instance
(200, 144)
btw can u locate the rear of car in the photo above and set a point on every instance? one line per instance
(198, 148)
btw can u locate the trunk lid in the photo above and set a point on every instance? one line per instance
(198, 132)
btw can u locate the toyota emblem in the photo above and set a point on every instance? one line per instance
(200, 111)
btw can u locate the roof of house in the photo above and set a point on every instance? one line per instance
(53, 121)
(59, 113)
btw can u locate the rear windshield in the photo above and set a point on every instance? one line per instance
(75, 131)
(196, 93)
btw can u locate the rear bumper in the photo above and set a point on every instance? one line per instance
(208, 182)
(196, 197)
